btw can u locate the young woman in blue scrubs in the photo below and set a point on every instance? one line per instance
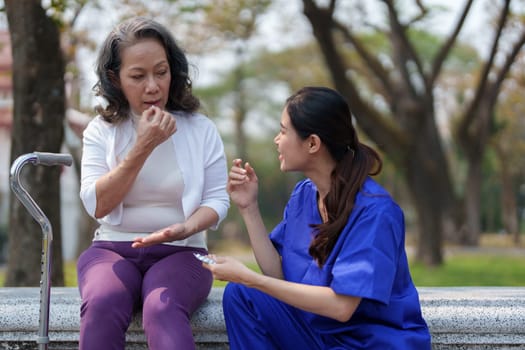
(334, 271)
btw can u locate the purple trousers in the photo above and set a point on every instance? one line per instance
(115, 280)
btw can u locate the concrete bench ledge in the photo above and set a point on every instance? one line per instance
(479, 318)
(19, 315)
(474, 318)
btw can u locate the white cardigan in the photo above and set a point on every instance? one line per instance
(199, 153)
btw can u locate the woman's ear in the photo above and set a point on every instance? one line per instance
(314, 143)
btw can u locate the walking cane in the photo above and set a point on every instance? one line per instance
(39, 158)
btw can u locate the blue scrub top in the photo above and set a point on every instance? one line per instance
(367, 261)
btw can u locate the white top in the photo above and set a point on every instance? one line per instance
(197, 177)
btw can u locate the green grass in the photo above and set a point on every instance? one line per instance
(466, 269)
(70, 275)
(461, 269)
(252, 266)
(458, 270)
(472, 270)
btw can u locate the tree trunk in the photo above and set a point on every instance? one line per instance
(470, 232)
(38, 84)
(509, 203)
(428, 181)
(473, 140)
(430, 225)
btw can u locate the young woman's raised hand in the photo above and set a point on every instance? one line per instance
(242, 184)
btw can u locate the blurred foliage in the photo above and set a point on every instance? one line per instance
(234, 18)
(271, 76)
(506, 163)
(491, 209)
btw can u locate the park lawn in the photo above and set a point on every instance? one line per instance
(458, 270)
(472, 270)
(464, 270)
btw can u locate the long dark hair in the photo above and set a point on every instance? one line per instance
(109, 63)
(325, 113)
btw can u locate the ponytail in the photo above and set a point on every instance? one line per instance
(346, 180)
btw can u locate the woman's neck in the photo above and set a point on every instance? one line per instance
(319, 171)
(323, 182)
(322, 178)
(322, 209)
